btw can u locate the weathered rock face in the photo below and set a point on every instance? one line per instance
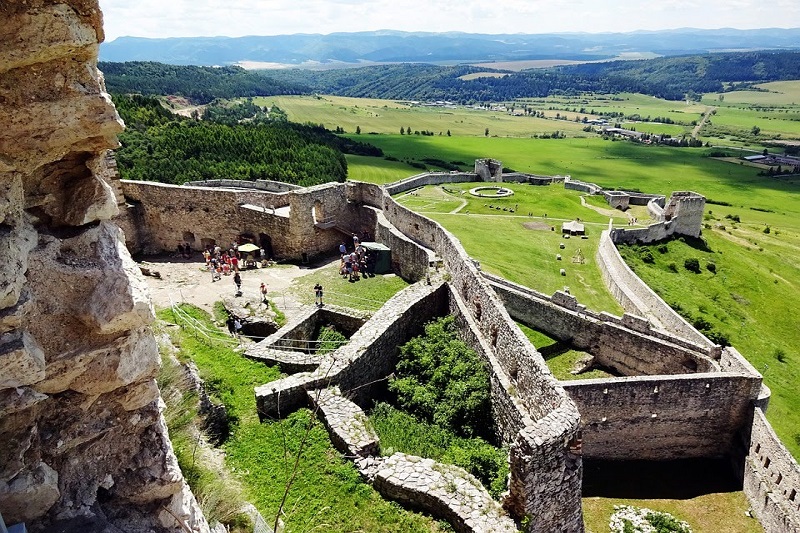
(82, 440)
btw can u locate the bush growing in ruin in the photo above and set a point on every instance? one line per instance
(441, 380)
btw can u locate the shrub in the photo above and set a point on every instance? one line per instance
(780, 355)
(711, 267)
(440, 379)
(672, 267)
(766, 230)
(735, 218)
(692, 264)
(647, 256)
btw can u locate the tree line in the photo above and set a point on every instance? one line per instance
(672, 78)
(198, 84)
(160, 146)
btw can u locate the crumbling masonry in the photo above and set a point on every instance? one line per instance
(681, 396)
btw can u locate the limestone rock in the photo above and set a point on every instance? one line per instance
(15, 244)
(29, 495)
(126, 360)
(21, 359)
(44, 33)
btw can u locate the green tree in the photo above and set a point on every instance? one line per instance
(440, 379)
(486, 132)
(402, 130)
(448, 133)
(358, 130)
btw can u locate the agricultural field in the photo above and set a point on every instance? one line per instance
(387, 116)
(774, 110)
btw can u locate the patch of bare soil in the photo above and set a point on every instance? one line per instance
(188, 280)
(536, 226)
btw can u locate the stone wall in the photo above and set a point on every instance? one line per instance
(263, 185)
(489, 169)
(683, 215)
(663, 417)
(546, 466)
(430, 178)
(771, 478)
(84, 445)
(612, 341)
(636, 297)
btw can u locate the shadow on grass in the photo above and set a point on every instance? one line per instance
(678, 480)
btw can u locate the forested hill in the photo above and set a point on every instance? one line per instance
(424, 47)
(669, 77)
(199, 84)
(159, 146)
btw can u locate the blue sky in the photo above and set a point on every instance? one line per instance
(183, 18)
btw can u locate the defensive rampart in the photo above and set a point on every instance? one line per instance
(771, 478)
(628, 344)
(636, 297)
(663, 417)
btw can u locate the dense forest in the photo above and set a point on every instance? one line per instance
(672, 78)
(198, 84)
(160, 146)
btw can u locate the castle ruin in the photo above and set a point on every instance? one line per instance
(84, 443)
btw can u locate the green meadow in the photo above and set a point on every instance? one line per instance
(387, 116)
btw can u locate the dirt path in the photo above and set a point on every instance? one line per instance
(187, 280)
(706, 116)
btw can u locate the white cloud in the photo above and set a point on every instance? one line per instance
(179, 18)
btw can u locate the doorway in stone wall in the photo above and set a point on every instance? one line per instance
(265, 241)
(188, 237)
(207, 244)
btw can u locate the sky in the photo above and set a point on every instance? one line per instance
(235, 18)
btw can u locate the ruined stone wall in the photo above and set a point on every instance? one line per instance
(430, 178)
(611, 343)
(262, 185)
(663, 417)
(84, 445)
(545, 462)
(577, 185)
(636, 297)
(771, 478)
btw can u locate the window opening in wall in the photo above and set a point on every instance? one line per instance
(792, 495)
(766, 462)
(780, 478)
(188, 236)
(758, 448)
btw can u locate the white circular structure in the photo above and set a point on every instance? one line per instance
(497, 192)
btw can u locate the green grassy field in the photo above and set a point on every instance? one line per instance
(386, 116)
(377, 170)
(711, 513)
(520, 245)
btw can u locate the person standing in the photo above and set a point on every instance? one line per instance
(342, 250)
(318, 294)
(237, 279)
(263, 293)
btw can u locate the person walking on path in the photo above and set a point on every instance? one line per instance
(318, 295)
(237, 279)
(263, 293)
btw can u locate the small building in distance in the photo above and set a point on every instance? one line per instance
(573, 227)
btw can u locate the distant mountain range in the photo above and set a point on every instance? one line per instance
(453, 47)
